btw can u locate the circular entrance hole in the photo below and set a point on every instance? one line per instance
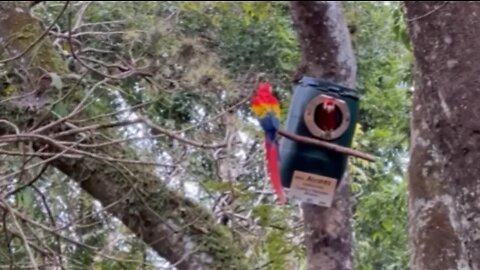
(327, 121)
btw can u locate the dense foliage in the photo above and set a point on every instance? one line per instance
(204, 58)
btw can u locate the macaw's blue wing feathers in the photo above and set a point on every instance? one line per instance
(270, 126)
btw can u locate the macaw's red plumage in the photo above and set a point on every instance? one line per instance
(267, 109)
(327, 115)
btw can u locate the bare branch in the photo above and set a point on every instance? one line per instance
(22, 234)
(132, 71)
(50, 216)
(99, 23)
(62, 145)
(15, 213)
(170, 134)
(10, 124)
(31, 182)
(95, 127)
(80, 14)
(77, 109)
(39, 154)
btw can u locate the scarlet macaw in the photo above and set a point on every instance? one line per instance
(327, 115)
(267, 109)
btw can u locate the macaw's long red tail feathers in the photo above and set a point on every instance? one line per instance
(272, 169)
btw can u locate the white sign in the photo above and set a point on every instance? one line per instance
(312, 188)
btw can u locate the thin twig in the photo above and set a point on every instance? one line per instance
(100, 23)
(44, 34)
(8, 239)
(10, 124)
(46, 114)
(27, 267)
(21, 232)
(98, 126)
(31, 93)
(61, 35)
(103, 209)
(185, 256)
(34, 246)
(244, 100)
(75, 111)
(115, 112)
(123, 75)
(25, 218)
(52, 220)
(107, 65)
(240, 103)
(330, 146)
(80, 14)
(87, 154)
(119, 141)
(178, 138)
(38, 154)
(28, 137)
(39, 163)
(31, 182)
(428, 13)
(89, 49)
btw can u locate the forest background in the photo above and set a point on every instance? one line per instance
(188, 68)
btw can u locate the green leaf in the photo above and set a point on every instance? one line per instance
(387, 224)
(217, 186)
(60, 109)
(263, 213)
(25, 200)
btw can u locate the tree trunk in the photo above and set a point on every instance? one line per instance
(179, 230)
(444, 176)
(326, 54)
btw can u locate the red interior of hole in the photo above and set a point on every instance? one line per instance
(320, 114)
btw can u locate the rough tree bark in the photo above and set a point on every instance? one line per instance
(326, 54)
(176, 228)
(444, 176)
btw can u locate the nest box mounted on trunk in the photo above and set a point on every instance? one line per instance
(322, 111)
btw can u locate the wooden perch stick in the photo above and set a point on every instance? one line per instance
(331, 146)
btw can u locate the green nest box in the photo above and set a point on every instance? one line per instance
(305, 119)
